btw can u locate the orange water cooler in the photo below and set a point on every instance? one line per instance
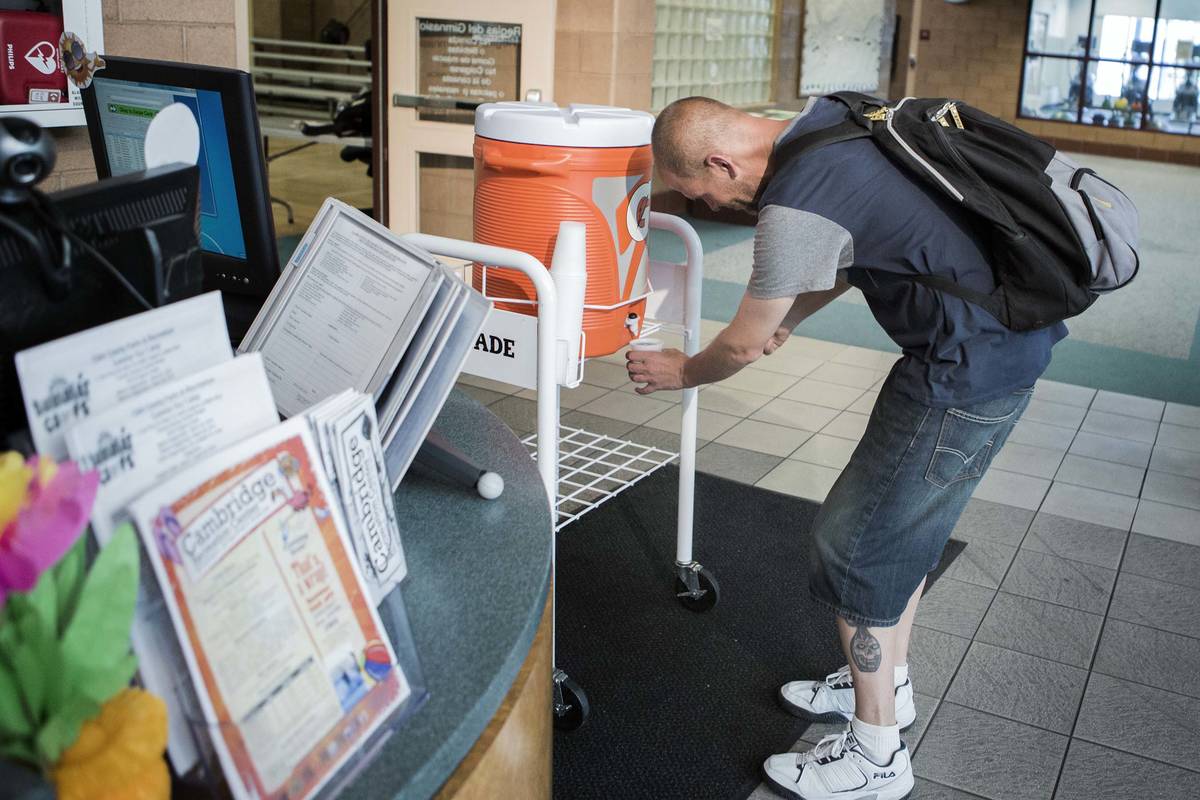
(537, 165)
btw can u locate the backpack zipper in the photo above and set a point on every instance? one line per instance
(950, 107)
(885, 114)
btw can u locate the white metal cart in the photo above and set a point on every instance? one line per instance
(589, 469)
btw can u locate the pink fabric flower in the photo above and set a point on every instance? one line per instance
(54, 513)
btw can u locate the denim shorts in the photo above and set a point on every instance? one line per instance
(888, 517)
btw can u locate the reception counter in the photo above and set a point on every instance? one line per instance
(478, 602)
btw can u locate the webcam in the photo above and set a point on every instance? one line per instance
(26, 157)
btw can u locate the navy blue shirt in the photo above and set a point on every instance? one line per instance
(846, 210)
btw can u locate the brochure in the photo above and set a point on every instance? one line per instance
(436, 376)
(142, 442)
(69, 379)
(347, 433)
(358, 308)
(292, 666)
(344, 311)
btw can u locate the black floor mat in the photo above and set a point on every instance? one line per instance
(683, 704)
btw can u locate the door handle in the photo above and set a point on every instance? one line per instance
(422, 101)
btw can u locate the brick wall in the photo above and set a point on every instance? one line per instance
(975, 53)
(604, 52)
(195, 31)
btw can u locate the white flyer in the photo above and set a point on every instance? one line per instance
(69, 379)
(146, 439)
(138, 444)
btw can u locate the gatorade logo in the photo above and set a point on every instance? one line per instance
(624, 200)
(637, 212)
(44, 58)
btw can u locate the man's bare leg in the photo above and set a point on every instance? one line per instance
(875, 689)
(872, 656)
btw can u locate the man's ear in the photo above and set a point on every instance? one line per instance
(722, 163)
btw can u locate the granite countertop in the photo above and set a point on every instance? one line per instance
(479, 572)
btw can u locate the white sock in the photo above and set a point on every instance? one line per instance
(879, 742)
(901, 674)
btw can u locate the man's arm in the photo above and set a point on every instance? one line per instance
(802, 308)
(733, 348)
(740, 343)
(754, 331)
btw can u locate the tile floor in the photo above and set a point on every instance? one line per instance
(1057, 656)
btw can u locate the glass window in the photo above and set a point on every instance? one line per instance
(1116, 94)
(1059, 27)
(1133, 64)
(1123, 29)
(1052, 87)
(721, 50)
(1173, 100)
(1179, 33)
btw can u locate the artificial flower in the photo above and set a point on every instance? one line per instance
(14, 484)
(49, 519)
(119, 752)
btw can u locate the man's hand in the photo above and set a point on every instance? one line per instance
(777, 339)
(660, 371)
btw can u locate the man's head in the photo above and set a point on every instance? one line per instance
(708, 151)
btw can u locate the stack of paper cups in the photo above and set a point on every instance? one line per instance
(568, 269)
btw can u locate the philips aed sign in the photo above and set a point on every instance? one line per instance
(31, 71)
(506, 349)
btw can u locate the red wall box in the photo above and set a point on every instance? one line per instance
(30, 70)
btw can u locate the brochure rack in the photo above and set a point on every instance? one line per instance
(582, 470)
(207, 778)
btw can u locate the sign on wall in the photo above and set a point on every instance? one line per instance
(843, 46)
(467, 60)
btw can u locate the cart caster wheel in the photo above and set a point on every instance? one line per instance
(571, 707)
(701, 597)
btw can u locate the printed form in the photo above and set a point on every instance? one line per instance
(349, 301)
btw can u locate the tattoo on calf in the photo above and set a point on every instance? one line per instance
(865, 650)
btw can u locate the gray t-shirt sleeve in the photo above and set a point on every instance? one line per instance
(797, 252)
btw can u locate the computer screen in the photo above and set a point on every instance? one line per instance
(237, 226)
(126, 109)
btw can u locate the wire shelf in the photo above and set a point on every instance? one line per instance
(594, 468)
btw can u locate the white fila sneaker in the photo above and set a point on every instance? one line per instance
(838, 769)
(832, 699)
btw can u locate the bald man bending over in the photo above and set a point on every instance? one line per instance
(842, 216)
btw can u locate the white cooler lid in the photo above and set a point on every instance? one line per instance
(577, 125)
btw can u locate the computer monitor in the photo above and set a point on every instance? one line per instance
(237, 229)
(144, 224)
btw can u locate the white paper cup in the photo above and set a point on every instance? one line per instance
(651, 345)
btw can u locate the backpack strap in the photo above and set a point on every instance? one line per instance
(856, 101)
(993, 303)
(853, 127)
(807, 142)
(856, 127)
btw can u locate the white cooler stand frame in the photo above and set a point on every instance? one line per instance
(591, 468)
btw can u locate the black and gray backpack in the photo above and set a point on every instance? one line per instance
(1059, 234)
